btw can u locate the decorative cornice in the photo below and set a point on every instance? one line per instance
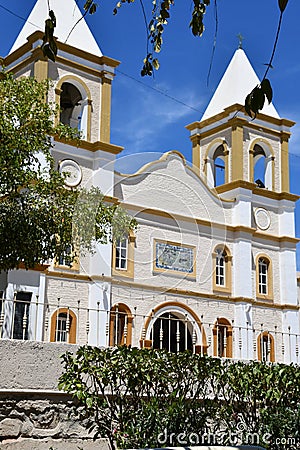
(92, 146)
(206, 223)
(189, 293)
(38, 36)
(240, 120)
(68, 275)
(256, 191)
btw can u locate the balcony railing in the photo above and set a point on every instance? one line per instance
(26, 318)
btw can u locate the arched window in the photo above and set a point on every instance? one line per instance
(172, 332)
(222, 269)
(259, 163)
(216, 163)
(222, 336)
(219, 166)
(262, 164)
(63, 326)
(74, 99)
(120, 325)
(175, 328)
(264, 277)
(266, 347)
(70, 105)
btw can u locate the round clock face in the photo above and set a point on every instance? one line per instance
(262, 218)
(72, 172)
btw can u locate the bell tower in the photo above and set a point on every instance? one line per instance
(230, 147)
(81, 74)
(82, 80)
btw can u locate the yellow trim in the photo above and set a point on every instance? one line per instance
(228, 261)
(69, 275)
(196, 155)
(123, 309)
(40, 70)
(285, 174)
(185, 293)
(167, 271)
(105, 110)
(171, 304)
(73, 267)
(207, 223)
(237, 156)
(70, 78)
(257, 191)
(269, 295)
(260, 141)
(214, 145)
(240, 108)
(221, 321)
(73, 51)
(129, 271)
(272, 346)
(92, 146)
(73, 324)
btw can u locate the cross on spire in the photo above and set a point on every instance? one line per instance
(241, 38)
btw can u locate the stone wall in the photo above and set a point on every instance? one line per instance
(33, 413)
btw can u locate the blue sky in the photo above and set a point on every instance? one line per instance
(150, 114)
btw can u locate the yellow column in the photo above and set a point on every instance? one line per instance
(41, 69)
(196, 153)
(285, 176)
(237, 157)
(105, 109)
(226, 161)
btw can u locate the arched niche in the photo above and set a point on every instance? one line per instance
(74, 99)
(262, 163)
(174, 327)
(216, 163)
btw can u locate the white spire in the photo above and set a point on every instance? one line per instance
(67, 14)
(237, 82)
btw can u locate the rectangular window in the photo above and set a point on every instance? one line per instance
(66, 258)
(21, 315)
(121, 254)
(61, 328)
(220, 271)
(263, 278)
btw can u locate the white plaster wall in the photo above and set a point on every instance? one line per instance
(62, 293)
(25, 281)
(169, 186)
(242, 263)
(99, 304)
(270, 249)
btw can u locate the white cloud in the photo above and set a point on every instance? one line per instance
(151, 121)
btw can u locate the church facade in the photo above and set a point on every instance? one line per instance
(212, 265)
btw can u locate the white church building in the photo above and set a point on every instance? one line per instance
(212, 264)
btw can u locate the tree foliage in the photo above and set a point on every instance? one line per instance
(141, 398)
(155, 27)
(40, 218)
